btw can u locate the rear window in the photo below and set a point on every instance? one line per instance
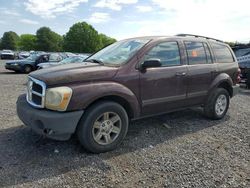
(222, 53)
(196, 53)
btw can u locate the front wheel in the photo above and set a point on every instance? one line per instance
(27, 69)
(103, 127)
(217, 104)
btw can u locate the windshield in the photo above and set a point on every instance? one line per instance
(32, 57)
(119, 52)
(72, 60)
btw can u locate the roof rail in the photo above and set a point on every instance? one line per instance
(197, 36)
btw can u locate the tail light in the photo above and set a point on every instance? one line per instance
(238, 76)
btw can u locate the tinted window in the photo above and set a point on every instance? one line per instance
(222, 53)
(167, 52)
(208, 53)
(196, 53)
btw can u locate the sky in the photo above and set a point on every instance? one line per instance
(228, 20)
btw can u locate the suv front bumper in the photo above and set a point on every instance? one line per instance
(52, 124)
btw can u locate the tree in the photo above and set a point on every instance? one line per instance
(27, 42)
(48, 40)
(105, 40)
(82, 38)
(9, 40)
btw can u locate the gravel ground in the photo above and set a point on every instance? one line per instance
(181, 149)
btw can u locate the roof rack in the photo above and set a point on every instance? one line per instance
(197, 36)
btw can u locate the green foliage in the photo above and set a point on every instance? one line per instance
(27, 42)
(9, 40)
(82, 38)
(48, 40)
(105, 40)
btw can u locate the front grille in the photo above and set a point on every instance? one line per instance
(35, 92)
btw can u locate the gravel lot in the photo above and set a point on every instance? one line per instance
(181, 149)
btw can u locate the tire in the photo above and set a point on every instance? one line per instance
(99, 121)
(27, 69)
(214, 108)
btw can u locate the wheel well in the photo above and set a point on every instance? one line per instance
(28, 65)
(227, 87)
(124, 103)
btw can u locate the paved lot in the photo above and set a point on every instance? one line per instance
(181, 149)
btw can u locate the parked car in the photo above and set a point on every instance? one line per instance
(128, 80)
(72, 59)
(244, 64)
(7, 54)
(30, 64)
(69, 54)
(23, 55)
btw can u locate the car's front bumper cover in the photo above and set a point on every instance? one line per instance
(55, 125)
(13, 67)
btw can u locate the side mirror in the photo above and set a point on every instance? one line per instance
(151, 63)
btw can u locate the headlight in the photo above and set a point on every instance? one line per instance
(58, 98)
(15, 64)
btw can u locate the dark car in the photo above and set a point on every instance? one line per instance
(72, 59)
(128, 80)
(23, 55)
(30, 64)
(244, 64)
(7, 54)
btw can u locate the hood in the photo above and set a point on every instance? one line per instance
(19, 61)
(74, 72)
(46, 64)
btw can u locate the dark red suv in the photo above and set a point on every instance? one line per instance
(128, 80)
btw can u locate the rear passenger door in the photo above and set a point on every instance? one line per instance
(200, 70)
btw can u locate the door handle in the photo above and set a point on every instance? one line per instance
(180, 74)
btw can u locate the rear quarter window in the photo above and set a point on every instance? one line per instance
(222, 53)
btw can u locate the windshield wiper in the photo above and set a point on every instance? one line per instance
(94, 61)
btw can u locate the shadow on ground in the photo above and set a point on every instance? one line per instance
(26, 158)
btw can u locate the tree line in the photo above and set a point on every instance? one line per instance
(81, 38)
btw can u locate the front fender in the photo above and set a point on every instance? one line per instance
(87, 93)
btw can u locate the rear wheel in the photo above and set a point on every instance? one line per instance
(103, 127)
(217, 104)
(27, 69)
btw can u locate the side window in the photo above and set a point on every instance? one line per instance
(208, 53)
(167, 52)
(222, 53)
(196, 53)
(55, 57)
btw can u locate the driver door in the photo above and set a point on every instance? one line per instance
(163, 88)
